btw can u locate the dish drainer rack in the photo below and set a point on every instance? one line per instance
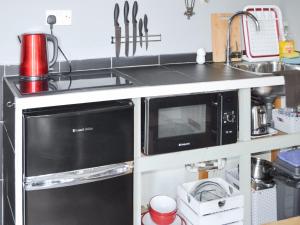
(263, 45)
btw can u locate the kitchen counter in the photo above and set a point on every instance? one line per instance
(153, 81)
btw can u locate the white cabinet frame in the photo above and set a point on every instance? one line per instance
(142, 164)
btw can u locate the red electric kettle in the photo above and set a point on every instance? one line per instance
(34, 55)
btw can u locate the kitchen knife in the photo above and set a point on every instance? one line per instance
(117, 30)
(134, 25)
(126, 22)
(141, 32)
(146, 30)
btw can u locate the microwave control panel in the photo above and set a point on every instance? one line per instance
(229, 117)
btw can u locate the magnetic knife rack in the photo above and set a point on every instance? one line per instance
(151, 38)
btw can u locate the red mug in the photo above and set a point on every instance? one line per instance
(34, 55)
(163, 210)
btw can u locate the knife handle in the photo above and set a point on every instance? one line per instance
(146, 23)
(134, 12)
(116, 14)
(141, 27)
(126, 11)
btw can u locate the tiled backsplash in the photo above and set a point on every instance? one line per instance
(87, 64)
(107, 63)
(1, 92)
(135, 61)
(178, 58)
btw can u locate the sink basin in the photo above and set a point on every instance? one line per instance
(265, 69)
(260, 68)
(291, 67)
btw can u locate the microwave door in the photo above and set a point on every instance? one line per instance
(178, 123)
(91, 196)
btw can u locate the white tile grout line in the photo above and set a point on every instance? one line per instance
(11, 211)
(11, 144)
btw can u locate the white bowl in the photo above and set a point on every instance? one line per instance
(163, 204)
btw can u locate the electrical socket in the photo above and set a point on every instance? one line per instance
(63, 17)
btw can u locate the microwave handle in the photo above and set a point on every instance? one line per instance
(77, 177)
(218, 106)
(221, 99)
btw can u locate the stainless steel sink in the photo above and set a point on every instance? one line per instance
(265, 69)
(291, 67)
(260, 68)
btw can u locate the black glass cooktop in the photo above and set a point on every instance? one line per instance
(75, 81)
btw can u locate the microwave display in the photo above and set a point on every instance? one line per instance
(178, 123)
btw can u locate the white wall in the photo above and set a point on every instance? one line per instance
(89, 36)
(291, 16)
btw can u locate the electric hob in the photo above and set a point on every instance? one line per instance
(75, 81)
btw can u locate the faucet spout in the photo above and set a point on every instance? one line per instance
(239, 13)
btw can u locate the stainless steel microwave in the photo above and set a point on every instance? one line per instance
(178, 123)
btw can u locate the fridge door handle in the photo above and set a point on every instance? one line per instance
(79, 112)
(77, 177)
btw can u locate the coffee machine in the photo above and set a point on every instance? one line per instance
(260, 118)
(259, 123)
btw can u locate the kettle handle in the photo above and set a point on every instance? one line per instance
(53, 39)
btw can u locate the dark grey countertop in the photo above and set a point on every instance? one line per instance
(184, 73)
(211, 72)
(158, 75)
(176, 74)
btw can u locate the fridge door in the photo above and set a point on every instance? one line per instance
(67, 138)
(103, 196)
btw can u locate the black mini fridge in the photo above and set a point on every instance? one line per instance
(78, 164)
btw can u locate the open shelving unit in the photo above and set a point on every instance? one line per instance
(242, 150)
